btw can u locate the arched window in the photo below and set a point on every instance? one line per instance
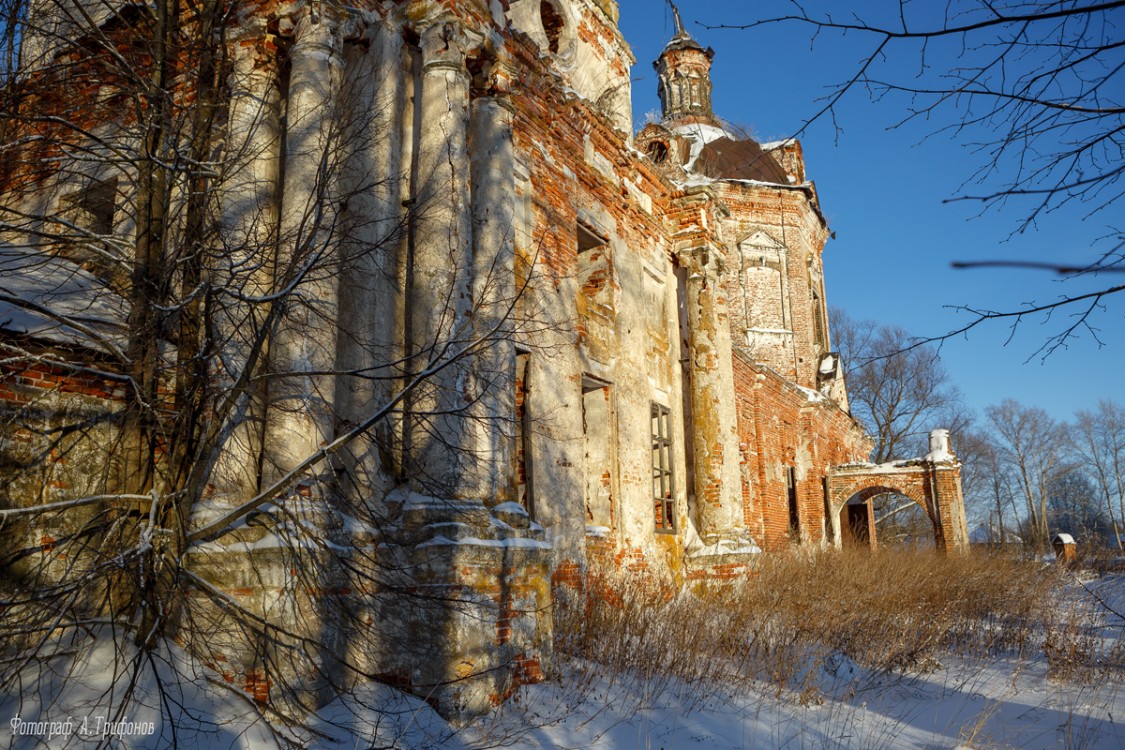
(658, 151)
(553, 24)
(820, 326)
(816, 300)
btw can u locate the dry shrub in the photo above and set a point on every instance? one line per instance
(803, 618)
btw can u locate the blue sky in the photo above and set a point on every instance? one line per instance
(882, 191)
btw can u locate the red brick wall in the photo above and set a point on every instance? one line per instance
(937, 488)
(790, 218)
(23, 381)
(779, 427)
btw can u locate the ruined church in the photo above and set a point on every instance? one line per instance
(464, 326)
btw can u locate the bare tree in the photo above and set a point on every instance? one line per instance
(1033, 88)
(1074, 507)
(193, 385)
(1098, 440)
(987, 485)
(899, 393)
(1031, 447)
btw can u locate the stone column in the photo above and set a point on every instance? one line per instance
(440, 292)
(718, 491)
(370, 312)
(245, 264)
(301, 414)
(491, 434)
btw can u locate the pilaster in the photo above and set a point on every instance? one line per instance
(249, 211)
(491, 432)
(715, 439)
(440, 287)
(301, 415)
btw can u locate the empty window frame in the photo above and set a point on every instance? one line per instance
(600, 464)
(658, 151)
(93, 208)
(595, 300)
(587, 239)
(663, 479)
(820, 327)
(794, 511)
(525, 486)
(553, 24)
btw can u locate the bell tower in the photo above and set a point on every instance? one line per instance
(684, 70)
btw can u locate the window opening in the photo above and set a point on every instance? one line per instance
(794, 511)
(93, 208)
(663, 480)
(595, 301)
(588, 239)
(599, 466)
(525, 486)
(820, 329)
(553, 24)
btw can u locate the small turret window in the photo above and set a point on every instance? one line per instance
(658, 151)
(553, 24)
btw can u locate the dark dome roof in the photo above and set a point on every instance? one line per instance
(728, 159)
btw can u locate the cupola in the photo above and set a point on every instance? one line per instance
(684, 70)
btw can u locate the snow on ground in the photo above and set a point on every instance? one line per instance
(984, 705)
(75, 700)
(960, 703)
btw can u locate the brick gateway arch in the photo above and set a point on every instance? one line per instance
(933, 482)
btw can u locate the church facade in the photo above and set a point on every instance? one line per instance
(519, 342)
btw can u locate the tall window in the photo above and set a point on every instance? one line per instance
(600, 460)
(820, 328)
(663, 484)
(794, 512)
(525, 487)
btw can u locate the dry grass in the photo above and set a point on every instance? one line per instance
(805, 617)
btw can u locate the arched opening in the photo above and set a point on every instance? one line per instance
(658, 151)
(553, 24)
(883, 515)
(933, 486)
(900, 521)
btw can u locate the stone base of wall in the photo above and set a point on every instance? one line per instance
(450, 601)
(466, 613)
(720, 568)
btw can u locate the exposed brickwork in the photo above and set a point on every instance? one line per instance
(780, 427)
(22, 381)
(936, 487)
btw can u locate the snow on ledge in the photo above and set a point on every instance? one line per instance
(510, 507)
(811, 395)
(472, 541)
(774, 145)
(727, 547)
(890, 467)
(58, 291)
(411, 500)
